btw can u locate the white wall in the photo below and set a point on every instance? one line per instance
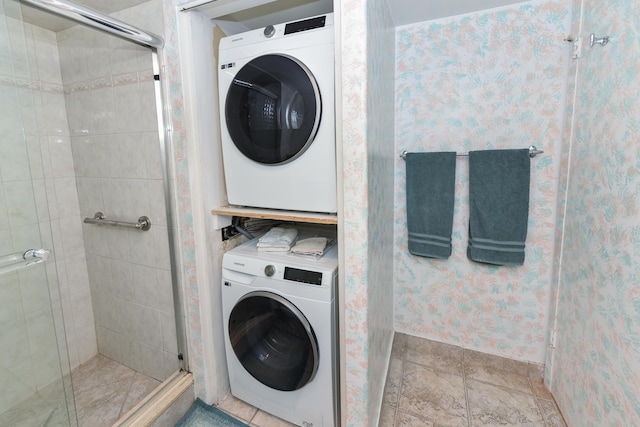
(199, 40)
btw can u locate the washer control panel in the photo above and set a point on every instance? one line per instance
(303, 276)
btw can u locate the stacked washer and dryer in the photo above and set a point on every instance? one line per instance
(276, 90)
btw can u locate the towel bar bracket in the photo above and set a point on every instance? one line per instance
(533, 151)
(602, 41)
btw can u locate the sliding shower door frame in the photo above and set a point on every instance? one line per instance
(155, 43)
(172, 224)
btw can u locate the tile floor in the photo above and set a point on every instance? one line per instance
(431, 384)
(254, 417)
(104, 390)
(436, 385)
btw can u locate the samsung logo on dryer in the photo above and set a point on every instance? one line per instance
(239, 263)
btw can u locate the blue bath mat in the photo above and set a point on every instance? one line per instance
(202, 415)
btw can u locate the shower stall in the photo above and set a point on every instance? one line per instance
(85, 289)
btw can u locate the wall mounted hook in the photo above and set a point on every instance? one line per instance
(593, 40)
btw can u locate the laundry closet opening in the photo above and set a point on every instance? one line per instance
(87, 165)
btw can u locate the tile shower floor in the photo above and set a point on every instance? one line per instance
(104, 390)
(431, 384)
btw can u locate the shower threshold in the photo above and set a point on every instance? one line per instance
(168, 396)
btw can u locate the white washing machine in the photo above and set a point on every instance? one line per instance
(277, 116)
(280, 329)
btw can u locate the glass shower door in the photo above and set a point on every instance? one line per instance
(35, 386)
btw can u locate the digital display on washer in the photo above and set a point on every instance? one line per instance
(304, 276)
(307, 24)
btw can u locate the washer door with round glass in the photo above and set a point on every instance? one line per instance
(273, 341)
(273, 109)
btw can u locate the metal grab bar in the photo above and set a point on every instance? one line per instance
(143, 223)
(20, 260)
(533, 151)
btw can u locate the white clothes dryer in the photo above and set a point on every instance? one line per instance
(277, 116)
(280, 333)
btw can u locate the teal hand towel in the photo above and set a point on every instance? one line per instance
(498, 206)
(430, 197)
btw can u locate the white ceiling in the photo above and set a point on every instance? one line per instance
(403, 12)
(273, 12)
(55, 23)
(406, 12)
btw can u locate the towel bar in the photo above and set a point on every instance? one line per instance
(533, 151)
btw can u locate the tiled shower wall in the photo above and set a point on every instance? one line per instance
(60, 191)
(38, 208)
(110, 101)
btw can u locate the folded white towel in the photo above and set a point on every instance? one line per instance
(311, 246)
(278, 236)
(274, 248)
(278, 239)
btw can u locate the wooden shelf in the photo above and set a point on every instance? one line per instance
(316, 218)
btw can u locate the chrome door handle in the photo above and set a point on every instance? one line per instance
(36, 253)
(20, 260)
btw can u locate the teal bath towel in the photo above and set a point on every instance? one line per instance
(498, 206)
(430, 197)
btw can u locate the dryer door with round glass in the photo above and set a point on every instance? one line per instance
(273, 109)
(273, 341)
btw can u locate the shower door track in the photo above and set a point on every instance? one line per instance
(99, 21)
(155, 43)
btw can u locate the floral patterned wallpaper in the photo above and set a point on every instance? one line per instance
(494, 79)
(380, 113)
(594, 368)
(367, 123)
